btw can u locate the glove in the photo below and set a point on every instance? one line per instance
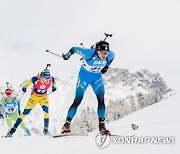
(24, 89)
(65, 57)
(54, 89)
(1, 116)
(104, 70)
(19, 112)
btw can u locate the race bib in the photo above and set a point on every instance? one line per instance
(10, 108)
(94, 69)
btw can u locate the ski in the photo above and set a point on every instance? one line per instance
(68, 134)
(12, 136)
(5, 137)
(122, 135)
(115, 135)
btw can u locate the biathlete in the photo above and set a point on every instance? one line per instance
(95, 62)
(41, 84)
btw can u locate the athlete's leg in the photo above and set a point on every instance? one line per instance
(14, 116)
(9, 122)
(45, 106)
(98, 88)
(29, 105)
(80, 90)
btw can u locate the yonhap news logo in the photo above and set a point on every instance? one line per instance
(104, 141)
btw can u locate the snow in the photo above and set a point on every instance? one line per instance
(161, 119)
(142, 39)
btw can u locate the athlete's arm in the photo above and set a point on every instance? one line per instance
(85, 53)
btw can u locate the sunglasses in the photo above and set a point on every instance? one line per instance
(46, 77)
(103, 52)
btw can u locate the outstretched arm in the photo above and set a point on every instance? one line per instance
(29, 83)
(85, 53)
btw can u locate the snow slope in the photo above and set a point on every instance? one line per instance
(161, 119)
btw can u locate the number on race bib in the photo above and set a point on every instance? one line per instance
(41, 91)
(95, 69)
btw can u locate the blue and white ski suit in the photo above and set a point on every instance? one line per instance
(90, 73)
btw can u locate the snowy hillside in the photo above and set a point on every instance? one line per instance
(125, 94)
(159, 120)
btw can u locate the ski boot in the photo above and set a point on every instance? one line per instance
(27, 132)
(46, 131)
(66, 126)
(9, 134)
(102, 127)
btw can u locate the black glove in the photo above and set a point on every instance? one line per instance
(53, 89)
(19, 112)
(1, 116)
(65, 57)
(104, 70)
(24, 89)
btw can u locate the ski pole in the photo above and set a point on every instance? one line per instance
(53, 53)
(21, 97)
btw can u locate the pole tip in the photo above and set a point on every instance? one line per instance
(47, 50)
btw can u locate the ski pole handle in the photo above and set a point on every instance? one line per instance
(82, 45)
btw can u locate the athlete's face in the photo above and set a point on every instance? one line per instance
(103, 54)
(45, 80)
